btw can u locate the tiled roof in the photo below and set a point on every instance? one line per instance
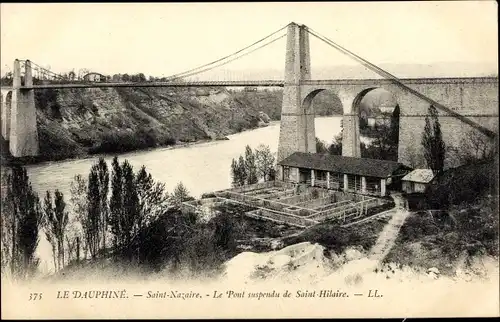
(341, 164)
(419, 175)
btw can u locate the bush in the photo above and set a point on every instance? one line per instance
(208, 195)
(418, 226)
(337, 238)
(464, 184)
(304, 213)
(180, 241)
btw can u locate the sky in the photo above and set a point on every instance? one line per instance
(168, 38)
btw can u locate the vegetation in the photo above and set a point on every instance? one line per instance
(464, 184)
(384, 145)
(55, 222)
(457, 220)
(119, 142)
(475, 147)
(21, 221)
(336, 238)
(250, 166)
(253, 166)
(444, 238)
(432, 141)
(147, 225)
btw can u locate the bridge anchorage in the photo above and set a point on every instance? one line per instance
(474, 100)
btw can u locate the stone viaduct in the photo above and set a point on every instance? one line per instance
(474, 98)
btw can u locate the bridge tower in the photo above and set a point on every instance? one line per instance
(297, 131)
(23, 138)
(297, 125)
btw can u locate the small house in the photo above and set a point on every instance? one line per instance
(358, 175)
(94, 77)
(417, 180)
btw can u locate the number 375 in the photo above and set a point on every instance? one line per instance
(35, 296)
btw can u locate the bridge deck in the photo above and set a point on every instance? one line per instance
(267, 83)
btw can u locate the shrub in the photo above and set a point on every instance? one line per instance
(208, 195)
(304, 213)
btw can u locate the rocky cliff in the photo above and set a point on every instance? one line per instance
(85, 121)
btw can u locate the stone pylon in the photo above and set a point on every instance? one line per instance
(23, 131)
(297, 131)
(351, 145)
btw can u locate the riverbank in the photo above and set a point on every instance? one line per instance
(7, 159)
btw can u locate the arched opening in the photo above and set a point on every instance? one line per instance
(6, 111)
(327, 109)
(378, 112)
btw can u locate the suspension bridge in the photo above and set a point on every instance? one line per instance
(472, 102)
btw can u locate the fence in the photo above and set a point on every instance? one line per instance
(301, 210)
(346, 210)
(305, 196)
(281, 217)
(280, 194)
(256, 201)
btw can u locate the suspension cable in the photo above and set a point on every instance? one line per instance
(228, 61)
(396, 80)
(47, 70)
(228, 56)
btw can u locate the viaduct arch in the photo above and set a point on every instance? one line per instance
(474, 98)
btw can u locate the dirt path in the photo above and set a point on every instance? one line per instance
(388, 235)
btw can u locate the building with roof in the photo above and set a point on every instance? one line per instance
(359, 175)
(417, 180)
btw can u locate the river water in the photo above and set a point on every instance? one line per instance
(202, 167)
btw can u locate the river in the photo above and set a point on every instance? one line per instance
(202, 167)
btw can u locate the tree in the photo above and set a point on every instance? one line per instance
(394, 127)
(251, 168)
(242, 170)
(224, 232)
(432, 142)
(103, 182)
(61, 216)
(25, 221)
(130, 219)
(320, 146)
(141, 77)
(475, 147)
(92, 222)
(235, 173)
(55, 223)
(125, 77)
(392, 141)
(152, 196)
(78, 199)
(116, 202)
(7, 234)
(265, 162)
(48, 227)
(180, 194)
(336, 147)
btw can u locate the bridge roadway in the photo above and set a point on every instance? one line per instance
(267, 83)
